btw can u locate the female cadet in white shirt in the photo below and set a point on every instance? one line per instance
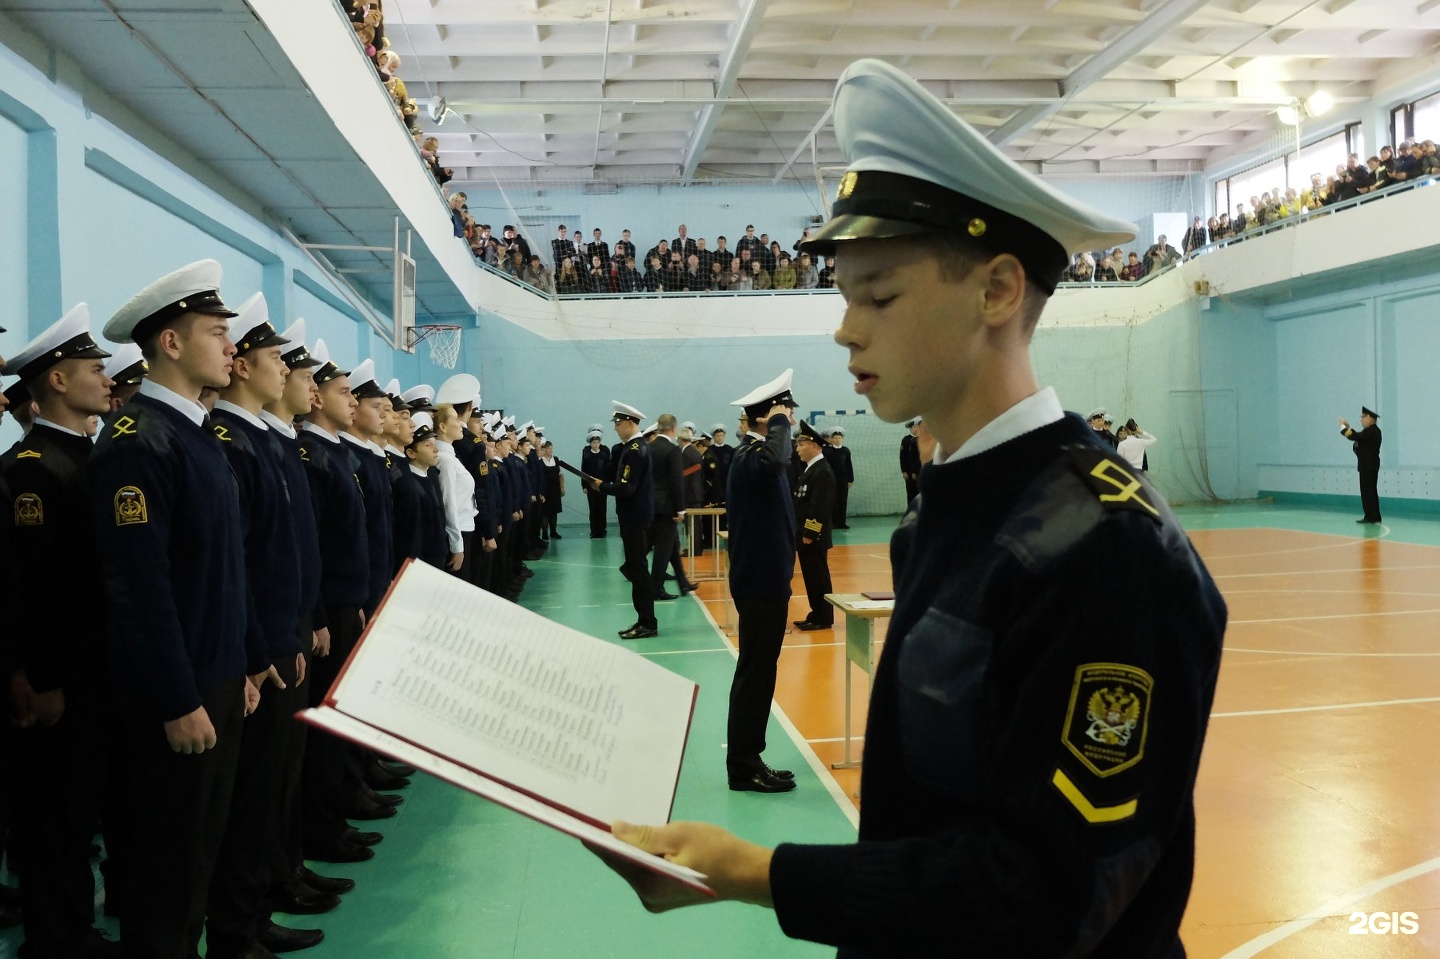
(457, 487)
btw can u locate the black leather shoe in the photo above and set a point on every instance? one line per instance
(378, 777)
(280, 939)
(297, 899)
(640, 632)
(663, 595)
(362, 838)
(321, 883)
(340, 851)
(761, 781)
(805, 626)
(367, 810)
(556, 536)
(779, 773)
(688, 588)
(384, 799)
(398, 768)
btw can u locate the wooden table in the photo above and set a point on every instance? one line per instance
(717, 570)
(859, 648)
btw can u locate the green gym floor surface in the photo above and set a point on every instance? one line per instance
(459, 877)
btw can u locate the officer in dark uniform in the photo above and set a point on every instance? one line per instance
(595, 461)
(634, 492)
(814, 506)
(1366, 444)
(167, 515)
(837, 454)
(1100, 423)
(238, 913)
(667, 473)
(910, 462)
(69, 722)
(1028, 753)
(762, 561)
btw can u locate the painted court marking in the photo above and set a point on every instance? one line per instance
(1328, 708)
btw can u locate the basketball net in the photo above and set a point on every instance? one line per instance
(444, 343)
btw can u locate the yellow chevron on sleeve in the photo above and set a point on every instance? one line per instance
(1088, 810)
(814, 525)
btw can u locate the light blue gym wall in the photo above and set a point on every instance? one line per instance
(93, 215)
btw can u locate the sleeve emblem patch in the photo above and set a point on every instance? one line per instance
(29, 510)
(29, 455)
(484, 469)
(1105, 725)
(130, 506)
(223, 432)
(122, 428)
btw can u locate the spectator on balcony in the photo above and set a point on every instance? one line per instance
(513, 240)
(515, 265)
(1223, 225)
(675, 273)
(627, 278)
(769, 255)
(1134, 270)
(1241, 222)
(662, 250)
(569, 282)
(683, 244)
(654, 274)
(457, 218)
(716, 279)
(1082, 268)
(722, 255)
(1429, 161)
(1105, 272)
(740, 277)
(759, 276)
(706, 256)
(749, 242)
(599, 276)
(537, 276)
(430, 153)
(695, 280)
(625, 249)
(806, 276)
(784, 276)
(1195, 237)
(1212, 229)
(1407, 164)
(598, 247)
(561, 248)
(1161, 255)
(492, 252)
(1378, 177)
(825, 278)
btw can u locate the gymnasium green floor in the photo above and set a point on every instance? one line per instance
(459, 877)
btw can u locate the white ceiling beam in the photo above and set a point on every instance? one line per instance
(1152, 28)
(814, 132)
(744, 35)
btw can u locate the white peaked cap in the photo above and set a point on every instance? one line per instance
(424, 420)
(650, 429)
(458, 390)
(421, 392)
(776, 390)
(68, 338)
(126, 356)
(393, 388)
(363, 373)
(497, 431)
(626, 411)
(250, 327)
(194, 288)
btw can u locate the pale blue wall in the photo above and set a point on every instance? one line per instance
(12, 238)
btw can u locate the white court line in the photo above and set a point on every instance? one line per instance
(1346, 541)
(1306, 619)
(837, 739)
(1316, 652)
(1322, 709)
(1338, 906)
(1348, 571)
(686, 652)
(816, 765)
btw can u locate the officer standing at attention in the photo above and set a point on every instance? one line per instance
(68, 723)
(910, 461)
(168, 520)
(762, 561)
(837, 454)
(634, 493)
(595, 461)
(814, 506)
(1028, 754)
(1366, 444)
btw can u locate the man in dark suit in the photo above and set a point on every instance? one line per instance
(1366, 444)
(910, 462)
(634, 493)
(683, 245)
(668, 473)
(814, 505)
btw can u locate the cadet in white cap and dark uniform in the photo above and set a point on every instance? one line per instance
(837, 454)
(368, 423)
(814, 507)
(419, 510)
(168, 519)
(69, 729)
(1022, 792)
(910, 461)
(762, 561)
(595, 461)
(634, 492)
(126, 369)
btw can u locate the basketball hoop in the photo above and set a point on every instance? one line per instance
(444, 340)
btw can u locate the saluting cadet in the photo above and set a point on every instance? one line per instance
(168, 520)
(239, 913)
(1028, 754)
(333, 474)
(595, 461)
(57, 667)
(762, 561)
(295, 889)
(838, 456)
(814, 506)
(634, 492)
(1366, 444)
(368, 425)
(419, 512)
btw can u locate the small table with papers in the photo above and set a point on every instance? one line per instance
(861, 614)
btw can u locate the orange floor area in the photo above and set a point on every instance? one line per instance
(1318, 800)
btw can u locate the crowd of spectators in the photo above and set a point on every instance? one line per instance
(368, 20)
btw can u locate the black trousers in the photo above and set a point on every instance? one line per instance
(839, 514)
(664, 551)
(636, 540)
(242, 877)
(331, 773)
(760, 634)
(815, 569)
(481, 563)
(467, 546)
(1369, 496)
(176, 810)
(501, 572)
(598, 505)
(286, 846)
(912, 490)
(60, 794)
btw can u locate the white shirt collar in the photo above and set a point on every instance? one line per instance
(277, 424)
(666, 436)
(244, 414)
(418, 471)
(395, 450)
(811, 461)
(191, 409)
(1031, 413)
(42, 421)
(320, 431)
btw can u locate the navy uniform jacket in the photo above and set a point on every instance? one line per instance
(909, 455)
(8, 639)
(53, 533)
(167, 521)
(339, 507)
(667, 475)
(420, 520)
(1366, 444)
(302, 522)
(596, 463)
(470, 451)
(1027, 754)
(379, 519)
(815, 504)
(841, 463)
(632, 485)
(724, 456)
(762, 516)
(272, 560)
